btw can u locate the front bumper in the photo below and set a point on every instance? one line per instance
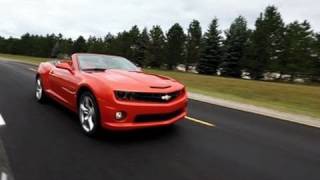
(135, 109)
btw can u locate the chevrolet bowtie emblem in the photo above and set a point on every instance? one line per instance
(166, 97)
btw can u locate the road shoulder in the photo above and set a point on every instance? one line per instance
(296, 118)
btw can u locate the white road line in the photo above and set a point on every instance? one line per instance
(2, 122)
(31, 69)
(200, 121)
(4, 176)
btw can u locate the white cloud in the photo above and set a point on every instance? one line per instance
(98, 17)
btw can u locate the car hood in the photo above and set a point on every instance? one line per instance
(136, 81)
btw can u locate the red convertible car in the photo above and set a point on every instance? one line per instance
(111, 92)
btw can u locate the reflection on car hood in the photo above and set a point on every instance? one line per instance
(127, 80)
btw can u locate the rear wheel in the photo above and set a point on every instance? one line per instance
(40, 95)
(88, 114)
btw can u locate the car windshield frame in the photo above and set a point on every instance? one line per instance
(99, 62)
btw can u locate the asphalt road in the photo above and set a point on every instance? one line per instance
(44, 142)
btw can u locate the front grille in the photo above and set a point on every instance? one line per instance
(157, 117)
(155, 97)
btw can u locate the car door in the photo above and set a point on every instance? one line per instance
(64, 84)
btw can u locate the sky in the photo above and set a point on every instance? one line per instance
(98, 17)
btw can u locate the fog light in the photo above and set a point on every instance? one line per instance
(120, 115)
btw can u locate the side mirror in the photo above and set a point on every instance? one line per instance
(65, 66)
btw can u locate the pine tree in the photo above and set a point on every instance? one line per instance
(142, 48)
(193, 44)
(234, 47)
(25, 44)
(95, 45)
(134, 34)
(121, 44)
(267, 43)
(56, 50)
(211, 54)
(175, 46)
(156, 48)
(108, 40)
(298, 49)
(316, 64)
(79, 45)
(2, 44)
(66, 47)
(48, 44)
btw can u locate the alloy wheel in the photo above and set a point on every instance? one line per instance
(87, 114)
(38, 89)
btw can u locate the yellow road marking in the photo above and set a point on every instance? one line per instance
(31, 69)
(200, 121)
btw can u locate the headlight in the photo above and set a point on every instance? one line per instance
(123, 95)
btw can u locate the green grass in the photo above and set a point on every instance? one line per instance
(295, 98)
(19, 58)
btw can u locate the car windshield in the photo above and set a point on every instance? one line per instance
(103, 62)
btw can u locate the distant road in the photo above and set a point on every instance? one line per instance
(44, 142)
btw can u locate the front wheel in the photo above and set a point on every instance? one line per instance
(88, 114)
(40, 95)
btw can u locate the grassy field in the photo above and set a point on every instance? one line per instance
(301, 99)
(28, 59)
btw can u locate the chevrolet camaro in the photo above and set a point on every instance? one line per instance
(110, 92)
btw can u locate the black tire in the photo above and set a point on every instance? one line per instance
(89, 117)
(39, 92)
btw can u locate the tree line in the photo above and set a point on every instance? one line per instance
(272, 46)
